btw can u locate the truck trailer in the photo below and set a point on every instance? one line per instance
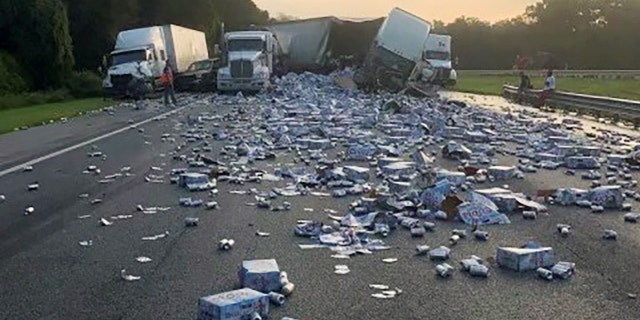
(140, 55)
(396, 52)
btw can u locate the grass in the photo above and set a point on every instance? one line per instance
(469, 81)
(35, 115)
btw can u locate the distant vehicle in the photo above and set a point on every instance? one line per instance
(438, 53)
(200, 76)
(250, 60)
(396, 51)
(139, 56)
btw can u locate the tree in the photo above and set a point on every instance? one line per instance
(38, 35)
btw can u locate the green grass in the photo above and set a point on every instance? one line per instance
(35, 115)
(472, 82)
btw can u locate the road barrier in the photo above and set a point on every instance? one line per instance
(617, 109)
(609, 74)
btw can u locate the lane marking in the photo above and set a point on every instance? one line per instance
(85, 143)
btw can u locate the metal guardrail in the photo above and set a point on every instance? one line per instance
(611, 74)
(617, 109)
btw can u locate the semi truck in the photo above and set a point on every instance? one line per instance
(250, 58)
(139, 57)
(438, 53)
(397, 53)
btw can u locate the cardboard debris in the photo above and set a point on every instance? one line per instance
(522, 259)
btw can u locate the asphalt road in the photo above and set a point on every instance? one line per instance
(46, 274)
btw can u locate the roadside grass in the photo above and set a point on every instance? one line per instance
(35, 115)
(471, 82)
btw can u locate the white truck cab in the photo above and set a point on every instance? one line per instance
(438, 53)
(140, 55)
(250, 58)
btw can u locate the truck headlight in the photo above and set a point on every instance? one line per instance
(106, 82)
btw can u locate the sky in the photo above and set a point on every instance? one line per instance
(445, 10)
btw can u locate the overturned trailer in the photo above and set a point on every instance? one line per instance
(322, 45)
(396, 57)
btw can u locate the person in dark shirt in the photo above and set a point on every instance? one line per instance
(525, 85)
(167, 83)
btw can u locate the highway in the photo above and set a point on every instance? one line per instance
(46, 274)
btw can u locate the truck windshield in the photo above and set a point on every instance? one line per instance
(200, 65)
(438, 55)
(253, 45)
(129, 56)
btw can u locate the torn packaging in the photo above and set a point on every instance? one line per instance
(481, 211)
(433, 197)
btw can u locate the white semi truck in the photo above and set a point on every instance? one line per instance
(397, 53)
(251, 57)
(438, 53)
(139, 56)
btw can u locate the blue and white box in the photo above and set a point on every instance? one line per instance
(233, 305)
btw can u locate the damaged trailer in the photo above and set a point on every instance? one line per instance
(322, 45)
(396, 56)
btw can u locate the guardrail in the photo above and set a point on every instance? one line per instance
(617, 109)
(612, 74)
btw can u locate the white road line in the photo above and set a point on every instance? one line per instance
(82, 144)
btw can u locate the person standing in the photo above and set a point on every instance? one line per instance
(525, 85)
(549, 87)
(167, 83)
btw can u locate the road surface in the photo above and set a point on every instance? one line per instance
(46, 274)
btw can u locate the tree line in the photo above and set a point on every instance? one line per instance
(576, 34)
(43, 41)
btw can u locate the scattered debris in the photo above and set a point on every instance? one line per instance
(341, 269)
(156, 237)
(226, 244)
(86, 243)
(143, 259)
(128, 277)
(262, 234)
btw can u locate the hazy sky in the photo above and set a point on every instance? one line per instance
(446, 10)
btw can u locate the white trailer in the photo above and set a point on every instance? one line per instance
(397, 51)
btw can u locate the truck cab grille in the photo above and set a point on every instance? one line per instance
(241, 69)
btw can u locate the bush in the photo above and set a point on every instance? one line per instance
(84, 84)
(18, 100)
(11, 75)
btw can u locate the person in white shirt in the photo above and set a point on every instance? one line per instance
(549, 87)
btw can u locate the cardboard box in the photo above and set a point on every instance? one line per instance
(355, 173)
(607, 196)
(454, 177)
(233, 305)
(260, 275)
(502, 172)
(582, 163)
(399, 168)
(520, 259)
